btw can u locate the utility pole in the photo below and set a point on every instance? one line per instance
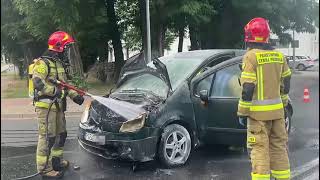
(293, 51)
(293, 43)
(148, 59)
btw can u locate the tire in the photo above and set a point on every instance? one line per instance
(288, 118)
(301, 67)
(175, 138)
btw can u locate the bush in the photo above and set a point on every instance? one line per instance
(79, 82)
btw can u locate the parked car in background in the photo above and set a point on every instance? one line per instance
(168, 107)
(302, 62)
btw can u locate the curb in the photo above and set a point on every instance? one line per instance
(301, 170)
(296, 72)
(26, 116)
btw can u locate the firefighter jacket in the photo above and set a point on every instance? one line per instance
(265, 81)
(43, 69)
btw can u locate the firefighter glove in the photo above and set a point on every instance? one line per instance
(243, 120)
(78, 99)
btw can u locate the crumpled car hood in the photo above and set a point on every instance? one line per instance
(107, 114)
(125, 109)
(136, 66)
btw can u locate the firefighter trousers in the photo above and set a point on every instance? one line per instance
(267, 146)
(57, 135)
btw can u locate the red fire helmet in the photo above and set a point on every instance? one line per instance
(257, 30)
(58, 40)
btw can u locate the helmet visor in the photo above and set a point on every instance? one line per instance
(71, 54)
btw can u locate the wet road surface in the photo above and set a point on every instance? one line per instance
(18, 140)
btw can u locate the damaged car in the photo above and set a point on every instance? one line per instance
(168, 107)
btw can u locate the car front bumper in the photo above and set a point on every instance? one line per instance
(140, 146)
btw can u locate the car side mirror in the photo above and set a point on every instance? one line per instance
(204, 96)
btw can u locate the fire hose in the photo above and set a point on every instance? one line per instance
(63, 84)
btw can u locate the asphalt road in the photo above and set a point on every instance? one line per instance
(18, 140)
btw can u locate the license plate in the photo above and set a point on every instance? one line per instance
(95, 138)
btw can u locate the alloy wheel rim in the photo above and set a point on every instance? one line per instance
(287, 123)
(176, 146)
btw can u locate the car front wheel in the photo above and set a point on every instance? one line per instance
(175, 146)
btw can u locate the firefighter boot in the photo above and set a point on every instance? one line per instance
(52, 174)
(64, 164)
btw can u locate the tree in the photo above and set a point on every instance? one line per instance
(115, 36)
(26, 25)
(129, 23)
(93, 35)
(225, 29)
(187, 13)
(16, 42)
(43, 17)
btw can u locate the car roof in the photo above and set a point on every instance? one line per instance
(207, 53)
(236, 59)
(298, 56)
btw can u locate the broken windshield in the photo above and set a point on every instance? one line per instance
(179, 68)
(144, 82)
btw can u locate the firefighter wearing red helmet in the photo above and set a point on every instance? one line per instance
(265, 81)
(52, 65)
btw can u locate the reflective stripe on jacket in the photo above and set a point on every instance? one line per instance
(263, 70)
(44, 103)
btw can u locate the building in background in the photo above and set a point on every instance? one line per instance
(308, 44)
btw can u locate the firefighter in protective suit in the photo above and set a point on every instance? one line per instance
(52, 66)
(265, 81)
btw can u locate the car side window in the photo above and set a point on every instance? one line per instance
(204, 84)
(226, 82)
(219, 60)
(214, 62)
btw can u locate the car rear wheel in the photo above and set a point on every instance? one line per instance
(301, 67)
(175, 146)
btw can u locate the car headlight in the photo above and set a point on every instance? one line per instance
(85, 113)
(133, 125)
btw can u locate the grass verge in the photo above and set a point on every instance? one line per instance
(14, 87)
(99, 88)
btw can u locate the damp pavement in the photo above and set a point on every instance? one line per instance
(19, 136)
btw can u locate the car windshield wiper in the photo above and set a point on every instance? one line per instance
(142, 91)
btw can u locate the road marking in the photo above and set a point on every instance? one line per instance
(304, 168)
(313, 176)
(34, 118)
(33, 154)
